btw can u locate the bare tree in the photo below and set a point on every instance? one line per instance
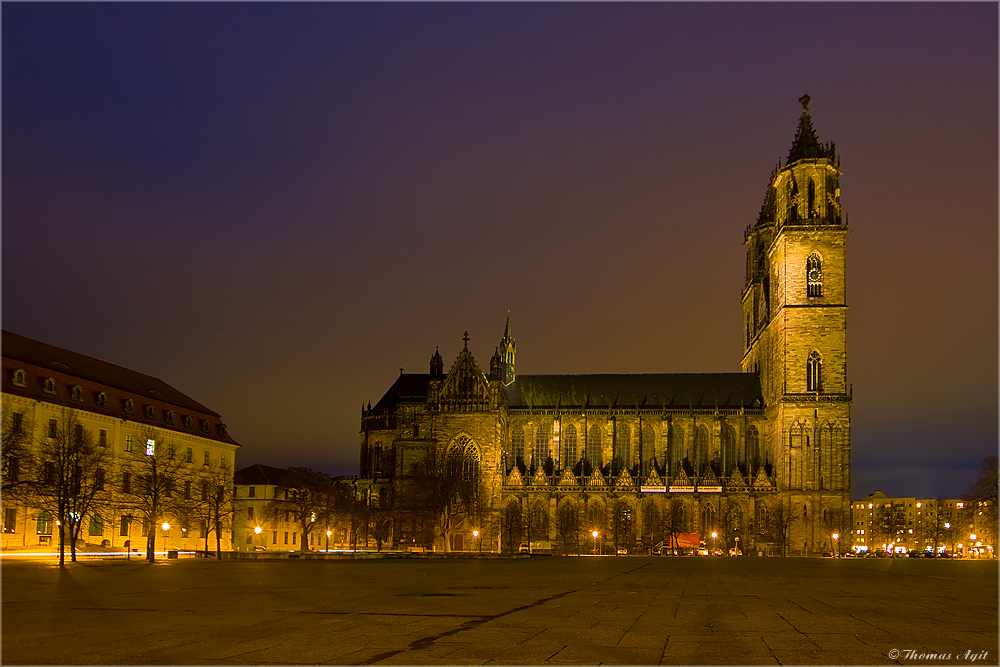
(835, 521)
(211, 504)
(15, 455)
(303, 493)
(780, 519)
(730, 521)
(890, 521)
(69, 477)
(981, 498)
(380, 517)
(568, 525)
(621, 522)
(674, 521)
(154, 492)
(511, 525)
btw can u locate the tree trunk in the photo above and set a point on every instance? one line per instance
(74, 533)
(62, 544)
(218, 538)
(151, 545)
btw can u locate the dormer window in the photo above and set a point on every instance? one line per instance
(101, 399)
(150, 411)
(186, 420)
(204, 425)
(168, 416)
(129, 406)
(49, 385)
(76, 393)
(19, 378)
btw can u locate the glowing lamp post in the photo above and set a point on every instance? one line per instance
(836, 540)
(328, 533)
(475, 535)
(595, 542)
(714, 535)
(256, 531)
(165, 527)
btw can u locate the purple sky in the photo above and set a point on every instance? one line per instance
(273, 207)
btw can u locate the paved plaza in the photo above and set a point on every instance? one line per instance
(539, 610)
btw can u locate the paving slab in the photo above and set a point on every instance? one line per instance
(539, 610)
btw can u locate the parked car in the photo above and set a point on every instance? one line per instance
(523, 549)
(622, 551)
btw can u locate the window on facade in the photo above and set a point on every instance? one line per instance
(204, 425)
(10, 520)
(17, 423)
(101, 399)
(49, 385)
(814, 372)
(150, 447)
(286, 537)
(543, 436)
(96, 525)
(222, 461)
(186, 420)
(99, 479)
(20, 378)
(570, 454)
(43, 525)
(53, 428)
(170, 450)
(102, 437)
(78, 434)
(189, 456)
(517, 444)
(128, 443)
(168, 416)
(274, 537)
(251, 491)
(129, 406)
(150, 411)
(13, 469)
(814, 276)
(168, 487)
(250, 514)
(204, 491)
(126, 482)
(207, 460)
(48, 473)
(76, 392)
(594, 437)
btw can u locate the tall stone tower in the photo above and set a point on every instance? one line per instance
(795, 326)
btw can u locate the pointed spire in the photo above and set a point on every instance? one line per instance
(806, 145)
(465, 339)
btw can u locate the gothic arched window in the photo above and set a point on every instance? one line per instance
(517, 444)
(594, 447)
(543, 436)
(812, 198)
(753, 450)
(624, 444)
(701, 450)
(814, 372)
(814, 276)
(570, 454)
(728, 448)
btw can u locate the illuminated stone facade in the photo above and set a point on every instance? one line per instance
(48, 390)
(761, 458)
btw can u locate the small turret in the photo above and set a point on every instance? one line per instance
(437, 365)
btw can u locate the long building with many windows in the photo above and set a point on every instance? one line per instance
(119, 452)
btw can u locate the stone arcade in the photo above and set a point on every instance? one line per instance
(762, 458)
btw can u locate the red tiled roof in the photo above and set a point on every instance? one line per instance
(67, 368)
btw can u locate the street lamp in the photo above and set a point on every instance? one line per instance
(714, 535)
(166, 527)
(256, 531)
(836, 540)
(595, 542)
(475, 535)
(328, 533)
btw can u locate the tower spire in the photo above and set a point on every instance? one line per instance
(806, 145)
(506, 350)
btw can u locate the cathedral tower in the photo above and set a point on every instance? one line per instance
(795, 328)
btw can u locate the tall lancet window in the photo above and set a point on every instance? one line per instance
(814, 372)
(814, 276)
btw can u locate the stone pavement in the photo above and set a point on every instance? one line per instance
(539, 610)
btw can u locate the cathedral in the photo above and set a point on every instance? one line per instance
(756, 462)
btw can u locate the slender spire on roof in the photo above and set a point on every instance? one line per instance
(806, 144)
